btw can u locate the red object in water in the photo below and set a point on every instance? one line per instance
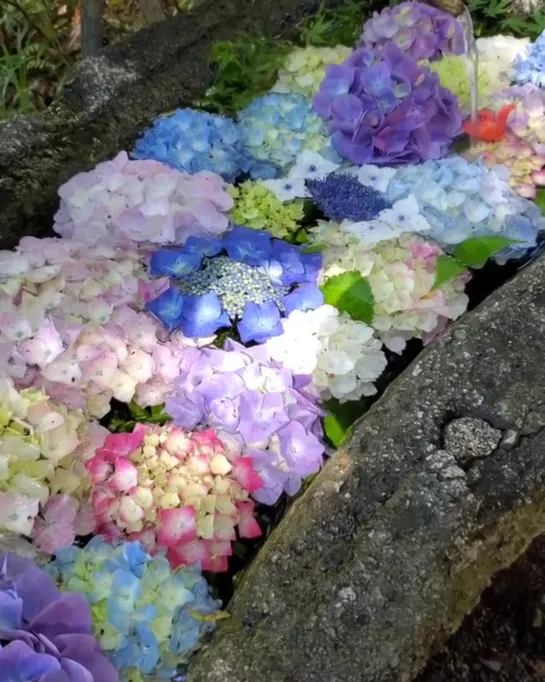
(490, 127)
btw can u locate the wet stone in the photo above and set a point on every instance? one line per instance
(468, 438)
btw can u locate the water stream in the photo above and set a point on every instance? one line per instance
(472, 62)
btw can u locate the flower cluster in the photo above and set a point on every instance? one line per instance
(258, 207)
(420, 30)
(453, 75)
(47, 635)
(527, 121)
(342, 355)
(64, 279)
(259, 407)
(147, 617)
(304, 68)
(401, 273)
(340, 196)
(529, 67)
(246, 276)
(385, 109)
(178, 490)
(195, 141)
(276, 128)
(43, 449)
(497, 55)
(122, 202)
(123, 359)
(307, 166)
(460, 200)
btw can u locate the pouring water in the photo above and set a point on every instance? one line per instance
(472, 61)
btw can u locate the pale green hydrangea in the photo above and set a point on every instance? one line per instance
(304, 68)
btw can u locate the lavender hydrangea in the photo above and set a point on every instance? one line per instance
(342, 197)
(46, 635)
(247, 277)
(194, 141)
(386, 109)
(421, 31)
(276, 128)
(529, 67)
(461, 199)
(259, 407)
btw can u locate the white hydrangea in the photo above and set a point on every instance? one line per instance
(497, 56)
(343, 356)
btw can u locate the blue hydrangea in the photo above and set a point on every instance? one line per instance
(529, 67)
(276, 128)
(462, 199)
(194, 141)
(342, 197)
(247, 278)
(148, 617)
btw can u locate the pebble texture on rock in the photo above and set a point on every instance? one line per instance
(441, 485)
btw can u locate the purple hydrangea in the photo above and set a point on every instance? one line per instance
(386, 109)
(46, 635)
(256, 406)
(342, 197)
(247, 277)
(421, 31)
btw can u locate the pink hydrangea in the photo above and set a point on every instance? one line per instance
(175, 489)
(123, 202)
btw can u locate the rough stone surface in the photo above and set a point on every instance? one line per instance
(113, 97)
(468, 438)
(393, 543)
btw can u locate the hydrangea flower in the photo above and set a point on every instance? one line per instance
(343, 356)
(174, 489)
(257, 207)
(497, 55)
(195, 141)
(341, 196)
(304, 68)
(257, 405)
(148, 617)
(529, 66)
(46, 635)
(276, 128)
(307, 166)
(460, 200)
(122, 202)
(385, 109)
(43, 449)
(527, 121)
(64, 279)
(246, 277)
(401, 273)
(453, 75)
(420, 30)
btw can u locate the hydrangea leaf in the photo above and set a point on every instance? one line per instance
(474, 252)
(447, 268)
(314, 248)
(351, 294)
(335, 430)
(540, 199)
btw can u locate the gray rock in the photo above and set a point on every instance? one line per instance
(469, 438)
(392, 544)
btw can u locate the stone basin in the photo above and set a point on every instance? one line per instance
(442, 483)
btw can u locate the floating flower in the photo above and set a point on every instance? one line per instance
(179, 490)
(122, 202)
(420, 30)
(401, 273)
(307, 166)
(195, 141)
(259, 407)
(527, 123)
(276, 129)
(490, 127)
(43, 449)
(385, 109)
(460, 200)
(247, 277)
(497, 54)
(529, 66)
(304, 68)
(343, 356)
(148, 617)
(341, 196)
(257, 207)
(46, 635)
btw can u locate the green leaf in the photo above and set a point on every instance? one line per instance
(335, 431)
(540, 199)
(315, 248)
(139, 413)
(474, 252)
(350, 293)
(447, 268)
